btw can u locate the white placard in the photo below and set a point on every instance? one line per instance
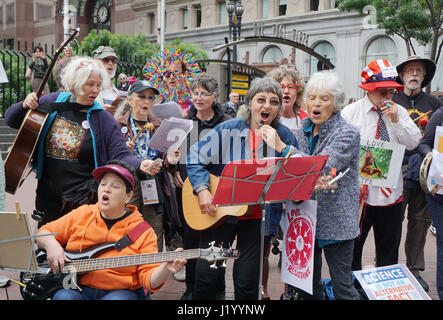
(298, 226)
(380, 162)
(394, 282)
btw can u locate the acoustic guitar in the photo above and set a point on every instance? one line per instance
(23, 148)
(198, 220)
(44, 284)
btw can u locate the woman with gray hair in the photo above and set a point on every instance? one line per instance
(206, 113)
(257, 135)
(293, 88)
(325, 132)
(77, 137)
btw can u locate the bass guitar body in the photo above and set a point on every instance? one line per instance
(42, 286)
(201, 221)
(19, 157)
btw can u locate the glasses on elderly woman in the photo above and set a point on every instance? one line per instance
(273, 102)
(288, 86)
(144, 97)
(202, 94)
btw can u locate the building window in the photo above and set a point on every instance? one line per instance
(10, 13)
(198, 15)
(151, 23)
(43, 12)
(223, 13)
(382, 47)
(272, 54)
(283, 5)
(326, 50)
(314, 5)
(185, 13)
(264, 7)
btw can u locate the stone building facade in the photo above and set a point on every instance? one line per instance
(349, 40)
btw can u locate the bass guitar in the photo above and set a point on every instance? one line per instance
(22, 150)
(195, 218)
(43, 285)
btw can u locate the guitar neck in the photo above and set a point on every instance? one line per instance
(131, 260)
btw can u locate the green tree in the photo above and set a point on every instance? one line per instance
(128, 45)
(410, 19)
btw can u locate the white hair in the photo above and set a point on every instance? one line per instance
(327, 81)
(77, 72)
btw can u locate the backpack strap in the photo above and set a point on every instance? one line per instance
(132, 235)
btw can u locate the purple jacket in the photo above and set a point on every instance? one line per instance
(109, 141)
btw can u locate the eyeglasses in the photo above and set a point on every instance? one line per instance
(202, 94)
(168, 74)
(272, 102)
(386, 92)
(416, 70)
(288, 86)
(107, 59)
(143, 97)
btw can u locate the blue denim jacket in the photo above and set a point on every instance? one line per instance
(226, 142)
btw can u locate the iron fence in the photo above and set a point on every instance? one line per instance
(16, 60)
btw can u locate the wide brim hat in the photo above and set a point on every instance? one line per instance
(379, 74)
(104, 52)
(430, 67)
(116, 169)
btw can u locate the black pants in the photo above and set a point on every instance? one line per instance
(246, 271)
(191, 239)
(387, 224)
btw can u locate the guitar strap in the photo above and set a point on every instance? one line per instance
(132, 235)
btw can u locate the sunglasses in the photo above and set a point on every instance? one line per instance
(107, 59)
(168, 74)
(143, 97)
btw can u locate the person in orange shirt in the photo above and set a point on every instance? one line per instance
(109, 220)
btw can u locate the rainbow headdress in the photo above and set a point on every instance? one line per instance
(159, 65)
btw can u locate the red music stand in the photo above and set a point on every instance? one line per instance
(269, 180)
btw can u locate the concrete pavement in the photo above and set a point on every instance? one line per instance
(172, 290)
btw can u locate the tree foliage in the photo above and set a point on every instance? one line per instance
(410, 19)
(129, 45)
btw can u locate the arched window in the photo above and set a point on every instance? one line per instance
(326, 50)
(272, 54)
(382, 47)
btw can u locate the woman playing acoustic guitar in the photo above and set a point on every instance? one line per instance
(77, 137)
(238, 139)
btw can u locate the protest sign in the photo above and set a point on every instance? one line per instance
(298, 226)
(394, 282)
(380, 162)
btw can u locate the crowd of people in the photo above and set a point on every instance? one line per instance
(97, 138)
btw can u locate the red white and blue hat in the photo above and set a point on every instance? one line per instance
(379, 73)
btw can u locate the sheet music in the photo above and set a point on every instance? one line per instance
(170, 135)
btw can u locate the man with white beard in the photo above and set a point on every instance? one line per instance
(415, 73)
(108, 57)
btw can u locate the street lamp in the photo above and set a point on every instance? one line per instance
(235, 13)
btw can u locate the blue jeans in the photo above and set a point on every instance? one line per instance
(89, 293)
(436, 209)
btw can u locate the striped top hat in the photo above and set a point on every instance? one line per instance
(379, 73)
